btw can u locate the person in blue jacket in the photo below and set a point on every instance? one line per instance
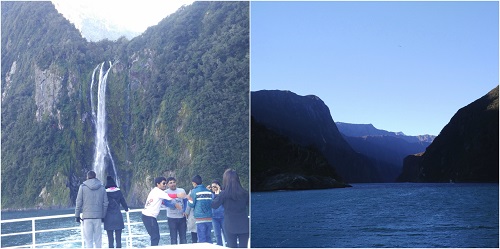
(113, 221)
(201, 201)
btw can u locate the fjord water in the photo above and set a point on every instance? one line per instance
(378, 215)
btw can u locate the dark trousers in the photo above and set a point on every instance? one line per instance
(232, 239)
(118, 234)
(153, 229)
(194, 237)
(177, 226)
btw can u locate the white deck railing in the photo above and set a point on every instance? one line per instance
(129, 237)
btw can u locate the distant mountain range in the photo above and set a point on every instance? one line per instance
(362, 153)
(362, 130)
(92, 26)
(385, 147)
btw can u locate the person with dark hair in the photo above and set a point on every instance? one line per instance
(217, 214)
(200, 200)
(152, 208)
(176, 209)
(113, 222)
(235, 200)
(92, 203)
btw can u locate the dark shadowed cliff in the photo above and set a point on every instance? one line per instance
(306, 120)
(466, 150)
(279, 164)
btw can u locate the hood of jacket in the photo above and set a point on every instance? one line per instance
(93, 183)
(112, 190)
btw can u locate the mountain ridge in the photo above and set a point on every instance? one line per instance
(306, 120)
(362, 130)
(168, 93)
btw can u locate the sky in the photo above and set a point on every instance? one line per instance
(135, 15)
(401, 66)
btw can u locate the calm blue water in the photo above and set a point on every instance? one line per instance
(19, 240)
(378, 215)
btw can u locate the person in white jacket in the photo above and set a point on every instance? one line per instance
(152, 208)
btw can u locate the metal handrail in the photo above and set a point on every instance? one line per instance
(33, 231)
(129, 237)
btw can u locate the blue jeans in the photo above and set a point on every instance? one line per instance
(204, 231)
(218, 229)
(153, 229)
(177, 226)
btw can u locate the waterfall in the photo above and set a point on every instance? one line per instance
(102, 153)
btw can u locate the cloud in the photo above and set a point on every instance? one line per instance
(136, 16)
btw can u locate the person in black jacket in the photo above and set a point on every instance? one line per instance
(113, 221)
(235, 199)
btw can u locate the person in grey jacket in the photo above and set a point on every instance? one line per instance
(92, 203)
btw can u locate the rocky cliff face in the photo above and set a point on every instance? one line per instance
(306, 121)
(466, 150)
(169, 92)
(411, 168)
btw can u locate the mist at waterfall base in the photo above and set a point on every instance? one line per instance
(394, 215)
(103, 160)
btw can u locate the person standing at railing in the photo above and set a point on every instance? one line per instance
(113, 222)
(217, 214)
(200, 200)
(92, 203)
(152, 208)
(235, 200)
(175, 213)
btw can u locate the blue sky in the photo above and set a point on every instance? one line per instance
(401, 66)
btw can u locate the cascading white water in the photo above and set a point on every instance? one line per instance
(101, 144)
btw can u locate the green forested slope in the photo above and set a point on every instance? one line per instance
(177, 101)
